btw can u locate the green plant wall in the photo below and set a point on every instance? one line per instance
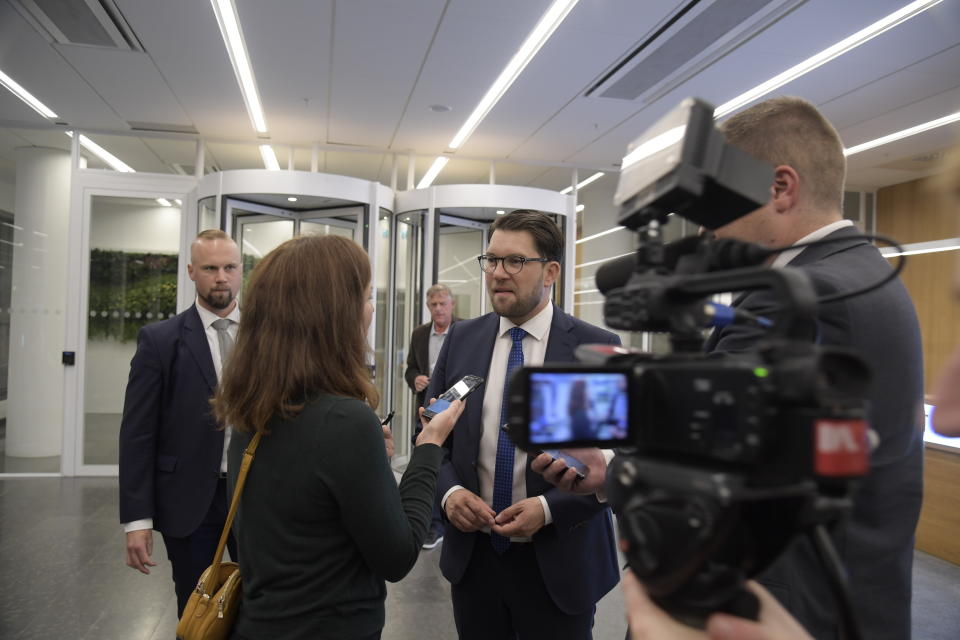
(128, 291)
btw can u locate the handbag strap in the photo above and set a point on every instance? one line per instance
(214, 572)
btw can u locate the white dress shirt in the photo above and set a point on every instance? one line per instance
(435, 344)
(785, 257)
(534, 350)
(207, 318)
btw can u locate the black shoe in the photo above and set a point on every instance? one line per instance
(434, 538)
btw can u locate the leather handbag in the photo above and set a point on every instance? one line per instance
(212, 607)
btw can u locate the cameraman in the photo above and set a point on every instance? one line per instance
(876, 542)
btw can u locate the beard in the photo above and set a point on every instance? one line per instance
(218, 298)
(521, 305)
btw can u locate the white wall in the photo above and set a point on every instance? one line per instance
(6, 196)
(135, 225)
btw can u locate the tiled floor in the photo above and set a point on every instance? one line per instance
(62, 577)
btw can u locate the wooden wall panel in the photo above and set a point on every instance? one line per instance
(940, 516)
(914, 212)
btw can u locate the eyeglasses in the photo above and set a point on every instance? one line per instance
(511, 264)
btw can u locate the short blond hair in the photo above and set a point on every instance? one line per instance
(208, 235)
(791, 131)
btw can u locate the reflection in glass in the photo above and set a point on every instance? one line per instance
(207, 216)
(381, 282)
(134, 245)
(407, 310)
(457, 268)
(257, 236)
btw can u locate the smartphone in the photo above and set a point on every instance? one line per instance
(571, 462)
(459, 391)
(387, 420)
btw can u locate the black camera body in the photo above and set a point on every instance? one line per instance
(723, 459)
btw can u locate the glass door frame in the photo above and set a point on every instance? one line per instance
(85, 185)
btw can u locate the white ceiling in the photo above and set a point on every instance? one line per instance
(357, 77)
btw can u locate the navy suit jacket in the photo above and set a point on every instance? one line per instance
(170, 447)
(575, 553)
(877, 543)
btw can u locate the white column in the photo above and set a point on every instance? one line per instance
(35, 387)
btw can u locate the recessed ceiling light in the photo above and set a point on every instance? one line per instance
(232, 34)
(433, 172)
(584, 182)
(847, 44)
(269, 157)
(500, 212)
(439, 108)
(920, 128)
(178, 201)
(26, 96)
(103, 154)
(164, 202)
(291, 199)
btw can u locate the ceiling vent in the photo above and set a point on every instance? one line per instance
(699, 33)
(162, 127)
(95, 23)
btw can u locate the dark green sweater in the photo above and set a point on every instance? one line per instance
(323, 523)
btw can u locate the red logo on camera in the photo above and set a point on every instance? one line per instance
(841, 447)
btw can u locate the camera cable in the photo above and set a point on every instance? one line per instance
(836, 576)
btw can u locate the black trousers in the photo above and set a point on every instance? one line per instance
(504, 597)
(189, 556)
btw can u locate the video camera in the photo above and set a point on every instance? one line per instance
(723, 458)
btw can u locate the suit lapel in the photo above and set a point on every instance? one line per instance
(195, 339)
(561, 343)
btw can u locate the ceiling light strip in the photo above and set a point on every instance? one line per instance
(599, 235)
(917, 248)
(433, 172)
(920, 128)
(601, 261)
(164, 202)
(548, 23)
(26, 96)
(111, 160)
(269, 157)
(229, 22)
(584, 182)
(847, 44)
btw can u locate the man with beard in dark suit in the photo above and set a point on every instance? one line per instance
(524, 559)
(172, 453)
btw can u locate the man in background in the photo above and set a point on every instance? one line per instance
(425, 343)
(172, 454)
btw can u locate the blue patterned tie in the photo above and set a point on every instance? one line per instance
(503, 474)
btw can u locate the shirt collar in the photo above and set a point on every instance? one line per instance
(538, 326)
(434, 332)
(785, 257)
(208, 317)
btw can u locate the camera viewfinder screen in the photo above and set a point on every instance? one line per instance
(571, 406)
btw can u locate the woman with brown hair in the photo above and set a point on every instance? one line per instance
(322, 521)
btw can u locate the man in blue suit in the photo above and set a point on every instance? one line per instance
(525, 560)
(172, 460)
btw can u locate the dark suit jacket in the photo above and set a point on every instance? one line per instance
(576, 552)
(877, 543)
(418, 360)
(170, 447)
